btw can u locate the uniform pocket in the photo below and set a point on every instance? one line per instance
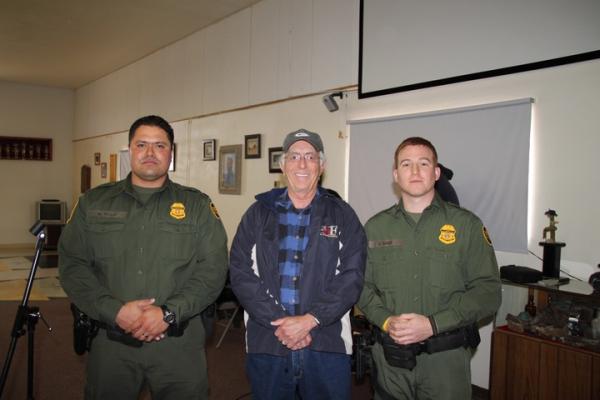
(388, 267)
(444, 270)
(106, 239)
(178, 241)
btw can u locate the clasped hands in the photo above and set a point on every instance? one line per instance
(409, 328)
(294, 332)
(142, 320)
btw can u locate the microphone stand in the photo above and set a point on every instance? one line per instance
(26, 314)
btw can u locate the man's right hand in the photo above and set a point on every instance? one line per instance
(129, 316)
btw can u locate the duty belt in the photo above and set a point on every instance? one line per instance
(404, 356)
(117, 334)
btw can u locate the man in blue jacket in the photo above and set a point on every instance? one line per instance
(297, 264)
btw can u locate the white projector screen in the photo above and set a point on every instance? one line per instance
(486, 146)
(413, 44)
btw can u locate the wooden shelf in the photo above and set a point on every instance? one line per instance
(23, 148)
(528, 367)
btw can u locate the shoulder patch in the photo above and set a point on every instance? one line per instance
(486, 235)
(214, 211)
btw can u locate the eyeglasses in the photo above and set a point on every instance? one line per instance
(308, 157)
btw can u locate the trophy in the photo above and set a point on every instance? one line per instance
(551, 261)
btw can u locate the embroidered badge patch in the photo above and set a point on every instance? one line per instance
(177, 211)
(329, 231)
(447, 234)
(213, 209)
(486, 235)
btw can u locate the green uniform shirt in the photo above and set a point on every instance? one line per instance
(444, 266)
(116, 248)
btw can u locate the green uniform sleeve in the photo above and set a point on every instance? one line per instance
(209, 271)
(482, 295)
(76, 274)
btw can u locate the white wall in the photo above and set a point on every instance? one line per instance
(564, 144)
(274, 50)
(273, 122)
(283, 48)
(34, 111)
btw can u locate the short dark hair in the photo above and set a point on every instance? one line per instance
(152, 120)
(415, 141)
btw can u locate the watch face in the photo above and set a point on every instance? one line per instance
(168, 316)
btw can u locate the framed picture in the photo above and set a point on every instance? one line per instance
(172, 165)
(96, 158)
(208, 150)
(230, 169)
(252, 146)
(275, 154)
(103, 170)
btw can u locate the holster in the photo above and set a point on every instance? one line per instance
(85, 330)
(401, 356)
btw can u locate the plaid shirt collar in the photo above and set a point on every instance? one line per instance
(284, 200)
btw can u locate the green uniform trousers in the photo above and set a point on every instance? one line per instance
(440, 376)
(173, 368)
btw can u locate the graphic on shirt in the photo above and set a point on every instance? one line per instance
(329, 231)
(177, 211)
(447, 234)
(486, 235)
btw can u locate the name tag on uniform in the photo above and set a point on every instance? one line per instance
(373, 244)
(107, 214)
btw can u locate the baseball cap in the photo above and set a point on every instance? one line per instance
(302, 134)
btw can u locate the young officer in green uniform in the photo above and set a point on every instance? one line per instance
(144, 257)
(431, 275)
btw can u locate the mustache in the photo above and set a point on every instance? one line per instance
(150, 158)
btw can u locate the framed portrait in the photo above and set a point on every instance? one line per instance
(252, 146)
(103, 170)
(209, 150)
(96, 158)
(275, 154)
(230, 169)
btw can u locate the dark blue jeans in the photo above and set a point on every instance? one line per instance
(303, 374)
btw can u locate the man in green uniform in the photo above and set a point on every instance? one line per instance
(431, 275)
(144, 257)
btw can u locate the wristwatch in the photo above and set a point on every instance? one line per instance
(168, 315)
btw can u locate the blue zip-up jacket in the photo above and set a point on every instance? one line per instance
(332, 272)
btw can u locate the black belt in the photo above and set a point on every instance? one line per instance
(117, 334)
(404, 356)
(461, 337)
